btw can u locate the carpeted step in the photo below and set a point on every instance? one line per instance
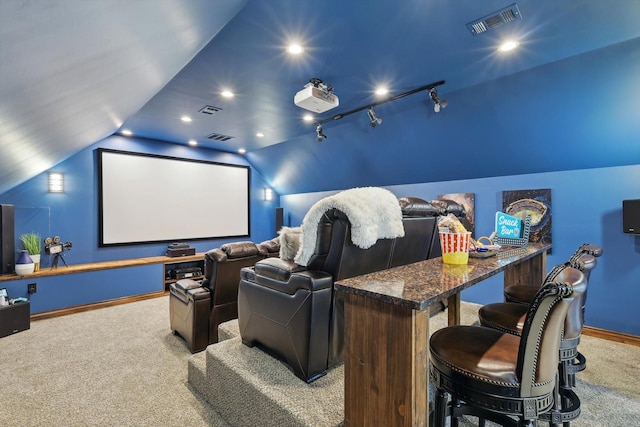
(248, 387)
(228, 330)
(196, 372)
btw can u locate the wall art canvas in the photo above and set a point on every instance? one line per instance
(536, 203)
(467, 200)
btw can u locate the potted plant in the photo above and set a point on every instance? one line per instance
(32, 243)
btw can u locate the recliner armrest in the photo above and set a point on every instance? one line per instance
(277, 268)
(188, 290)
(186, 284)
(285, 276)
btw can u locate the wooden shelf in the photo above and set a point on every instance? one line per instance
(105, 265)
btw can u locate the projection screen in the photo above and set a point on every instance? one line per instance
(145, 198)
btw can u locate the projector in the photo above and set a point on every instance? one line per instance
(315, 99)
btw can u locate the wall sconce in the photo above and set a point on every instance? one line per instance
(56, 182)
(268, 194)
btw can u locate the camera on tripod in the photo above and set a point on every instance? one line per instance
(53, 245)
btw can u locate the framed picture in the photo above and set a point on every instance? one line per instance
(537, 203)
(467, 200)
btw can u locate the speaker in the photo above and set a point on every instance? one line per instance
(279, 219)
(7, 240)
(631, 216)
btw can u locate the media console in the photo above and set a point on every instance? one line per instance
(101, 284)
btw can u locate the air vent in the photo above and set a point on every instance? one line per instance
(219, 137)
(493, 20)
(209, 110)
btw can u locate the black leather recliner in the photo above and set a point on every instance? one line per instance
(197, 308)
(292, 311)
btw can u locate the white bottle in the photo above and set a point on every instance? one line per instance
(3, 301)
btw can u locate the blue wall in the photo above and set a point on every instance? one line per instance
(579, 113)
(73, 215)
(586, 208)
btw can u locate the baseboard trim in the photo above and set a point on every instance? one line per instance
(611, 335)
(587, 330)
(93, 306)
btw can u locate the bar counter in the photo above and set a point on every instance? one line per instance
(386, 320)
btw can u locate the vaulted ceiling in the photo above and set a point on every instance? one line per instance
(73, 72)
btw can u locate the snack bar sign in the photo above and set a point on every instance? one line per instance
(508, 226)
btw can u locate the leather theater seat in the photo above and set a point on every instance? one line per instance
(196, 308)
(292, 311)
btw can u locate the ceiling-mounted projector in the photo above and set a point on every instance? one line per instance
(317, 97)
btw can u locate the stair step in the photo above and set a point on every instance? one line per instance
(248, 387)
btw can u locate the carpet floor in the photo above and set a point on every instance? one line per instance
(122, 366)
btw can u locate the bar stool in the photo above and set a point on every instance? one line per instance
(584, 259)
(496, 375)
(524, 293)
(509, 317)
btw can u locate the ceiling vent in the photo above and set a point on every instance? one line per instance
(495, 19)
(209, 110)
(219, 137)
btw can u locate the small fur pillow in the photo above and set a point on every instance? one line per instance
(290, 240)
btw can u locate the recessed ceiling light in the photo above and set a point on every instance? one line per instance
(126, 132)
(508, 45)
(193, 142)
(381, 90)
(242, 151)
(295, 49)
(259, 134)
(185, 119)
(307, 117)
(227, 93)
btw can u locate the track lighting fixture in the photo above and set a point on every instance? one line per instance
(374, 121)
(321, 136)
(437, 102)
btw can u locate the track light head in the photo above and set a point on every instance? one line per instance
(373, 119)
(319, 134)
(438, 103)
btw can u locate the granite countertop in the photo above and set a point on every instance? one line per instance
(424, 283)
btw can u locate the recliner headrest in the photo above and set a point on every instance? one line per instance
(413, 206)
(269, 246)
(449, 207)
(240, 249)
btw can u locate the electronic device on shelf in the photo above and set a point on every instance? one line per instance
(180, 249)
(186, 272)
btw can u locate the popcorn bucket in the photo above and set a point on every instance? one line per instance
(455, 247)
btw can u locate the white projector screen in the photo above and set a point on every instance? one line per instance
(146, 198)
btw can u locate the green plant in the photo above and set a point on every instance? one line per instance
(32, 242)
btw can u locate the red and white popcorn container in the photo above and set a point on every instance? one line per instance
(455, 247)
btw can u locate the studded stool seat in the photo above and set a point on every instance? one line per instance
(509, 318)
(496, 375)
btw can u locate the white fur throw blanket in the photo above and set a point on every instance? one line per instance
(374, 214)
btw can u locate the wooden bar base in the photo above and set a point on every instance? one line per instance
(373, 363)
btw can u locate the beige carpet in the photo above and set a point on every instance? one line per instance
(121, 366)
(117, 366)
